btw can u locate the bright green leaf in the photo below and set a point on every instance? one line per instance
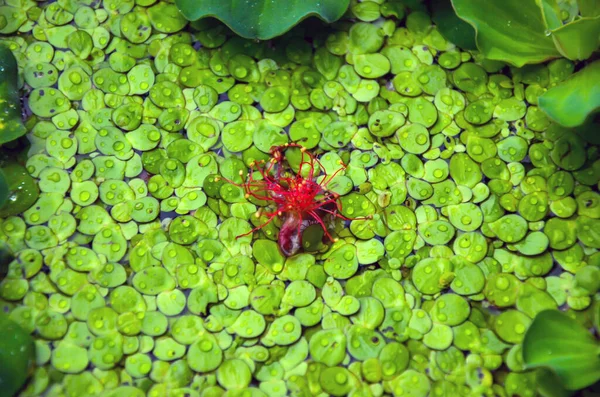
(262, 19)
(550, 14)
(573, 100)
(579, 39)
(267, 254)
(509, 30)
(576, 40)
(556, 341)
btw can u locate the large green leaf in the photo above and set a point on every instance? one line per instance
(596, 314)
(11, 123)
(451, 26)
(573, 100)
(556, 341)
(589, 8)
(550, 14)
(577, 39)
(16, 353)
(548, 384)
(262, 19)
(512, 31)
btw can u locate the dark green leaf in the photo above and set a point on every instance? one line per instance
(509, 30)
(452, 27)
(589, 131)
(11, 123)
(6, 257)
(312, 237)
(556, 341)
(16, 352)
(413, 5)
(262, 19)
(22, 190)
(549, 385)
(573, 100)
(3, 189)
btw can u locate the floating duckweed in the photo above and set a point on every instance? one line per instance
(143, 267)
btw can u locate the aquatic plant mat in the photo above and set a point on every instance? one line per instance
(129, 273)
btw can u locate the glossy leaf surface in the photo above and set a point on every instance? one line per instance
(556, 341)
(512, 30)
(573, 100)
(11, 124)
(22, 190)
(262, 19)
(578, 38)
